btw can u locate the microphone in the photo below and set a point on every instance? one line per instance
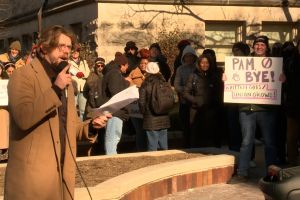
(60, 67)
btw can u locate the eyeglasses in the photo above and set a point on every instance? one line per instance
(64, 46)
(100, 65)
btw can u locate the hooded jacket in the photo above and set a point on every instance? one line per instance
(183, 72)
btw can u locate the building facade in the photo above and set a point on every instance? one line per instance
(107, 25)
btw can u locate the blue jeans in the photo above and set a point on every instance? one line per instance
(157, 139)
(113, 135)
(80, 100)
(266, 121)
(140, 137)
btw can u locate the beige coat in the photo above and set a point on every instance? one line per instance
(4, 127)
(5, 58)
(84, 68)
(137, 77)
(34, 170)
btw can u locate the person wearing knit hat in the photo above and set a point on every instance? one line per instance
(114, 82)
(261, 46)
(152, 68)
(156, 126)
(131, 52)
(13, 55)
(9, 68)
(92, 89)
(254, 116)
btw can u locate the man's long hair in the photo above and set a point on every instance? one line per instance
(49, 38)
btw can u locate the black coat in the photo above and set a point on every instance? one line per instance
(151, 120)
(292, 86)
(202, 90)
(113, 83)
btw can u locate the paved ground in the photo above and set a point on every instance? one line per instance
(244, 191)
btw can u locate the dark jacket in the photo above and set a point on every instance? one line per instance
(202, 89)
(292, 86)
(151, 120)
(113, 83)
(133, 62)
(92, 91)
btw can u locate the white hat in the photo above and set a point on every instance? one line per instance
(152, 68)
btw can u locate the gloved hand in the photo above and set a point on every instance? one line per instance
(79, 75)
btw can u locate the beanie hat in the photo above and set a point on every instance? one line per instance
(130, 45)
(183, 43)
(15, 45)
(99, 61)
(152, 68)
(9, 64)
(121, 60)
(263, 39)
(155, 45)
(144, 53)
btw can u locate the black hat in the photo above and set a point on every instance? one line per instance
(121, 60)
(130, 45)
(262, 38)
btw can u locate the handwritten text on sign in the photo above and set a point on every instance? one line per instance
(253, 80)
(3, 93)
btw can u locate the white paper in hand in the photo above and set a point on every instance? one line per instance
(118, 101)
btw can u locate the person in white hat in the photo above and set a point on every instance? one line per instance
(156, 125)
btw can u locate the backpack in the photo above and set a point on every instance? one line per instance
(162, 98)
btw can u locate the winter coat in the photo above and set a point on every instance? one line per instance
(113, 83)
(84, 68)
(34, 169)
(137, 77)
(92, 91)
(201, 90)
(4, 58)
(183, 72)
(292, 86)
(151, 120)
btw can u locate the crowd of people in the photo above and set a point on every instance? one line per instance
(199, 84)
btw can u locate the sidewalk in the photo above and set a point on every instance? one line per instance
(245, 191)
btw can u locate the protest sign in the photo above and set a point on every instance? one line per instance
(3, 93)
(253, 80)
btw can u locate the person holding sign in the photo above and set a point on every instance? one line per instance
(255, 115)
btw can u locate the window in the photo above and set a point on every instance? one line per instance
(221, 35)
(2, 46)
(77, 29)
(280, 31)
(26, 43)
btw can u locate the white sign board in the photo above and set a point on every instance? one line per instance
(3, 93)
(253, 80)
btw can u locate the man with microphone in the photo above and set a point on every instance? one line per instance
(44, 123)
